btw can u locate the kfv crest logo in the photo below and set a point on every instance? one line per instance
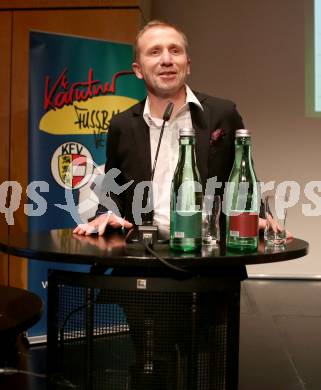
(72, 165)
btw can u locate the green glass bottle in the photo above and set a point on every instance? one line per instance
(242, 199)
(186, 197)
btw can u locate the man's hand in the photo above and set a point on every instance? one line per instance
(275, 226)
(99, 225)
(262, 223)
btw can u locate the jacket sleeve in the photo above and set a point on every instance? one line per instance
(110, 198)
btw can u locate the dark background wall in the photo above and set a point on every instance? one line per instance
(253, 52)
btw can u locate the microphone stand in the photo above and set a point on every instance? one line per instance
(147, 232)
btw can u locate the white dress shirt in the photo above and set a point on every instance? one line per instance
(167, 157)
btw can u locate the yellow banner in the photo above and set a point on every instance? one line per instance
(85, 117)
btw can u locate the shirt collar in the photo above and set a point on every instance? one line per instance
(190, 98)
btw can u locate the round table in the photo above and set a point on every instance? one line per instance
(111, 250)
(145, 326)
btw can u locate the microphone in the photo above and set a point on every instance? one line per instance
(147, 233)
(168, 112)
(166, 117)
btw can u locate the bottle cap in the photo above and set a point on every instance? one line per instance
(187, 132)
(243, 133)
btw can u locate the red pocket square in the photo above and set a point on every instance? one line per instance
(216, 135)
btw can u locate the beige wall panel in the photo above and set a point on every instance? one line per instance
(253, 52)
(114, 24)
(5, 55)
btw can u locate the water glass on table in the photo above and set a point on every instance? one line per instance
(211, 219)
(276, 216)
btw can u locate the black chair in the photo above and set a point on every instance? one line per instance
(19, 310)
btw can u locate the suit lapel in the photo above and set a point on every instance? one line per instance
(141, 148)
(201, 124)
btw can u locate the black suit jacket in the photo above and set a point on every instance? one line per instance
(128, 146)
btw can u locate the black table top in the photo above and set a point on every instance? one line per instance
(112, 250)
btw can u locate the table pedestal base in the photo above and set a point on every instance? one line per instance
(108, 332)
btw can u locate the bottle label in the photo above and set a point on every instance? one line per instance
(187, 225)
(244, 225)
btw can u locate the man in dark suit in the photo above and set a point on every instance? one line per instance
(162, 61)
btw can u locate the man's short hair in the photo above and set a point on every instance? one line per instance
(157, 23)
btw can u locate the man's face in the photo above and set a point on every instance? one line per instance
(162, 61)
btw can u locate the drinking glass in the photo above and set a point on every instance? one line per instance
(211, 219)
(276, 215)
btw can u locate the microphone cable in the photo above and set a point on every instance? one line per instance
(163, 261)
